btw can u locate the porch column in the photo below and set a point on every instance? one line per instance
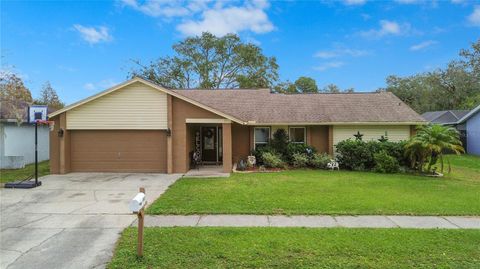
(169, 138)
(227, 147)
(64, 159)
(330, 140)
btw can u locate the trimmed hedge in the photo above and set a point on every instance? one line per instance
(359, 155)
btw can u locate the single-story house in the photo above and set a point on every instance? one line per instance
(471, 121)
(140, 126)
(17, 137)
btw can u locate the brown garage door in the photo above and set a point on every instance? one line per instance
(118, 151)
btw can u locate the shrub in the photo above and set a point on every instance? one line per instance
(258, 153)
(359, 155)
(355, 155)
(320, 160)
(293, 148)
(300, 160)
(272, 160)
(385, 163)
(280, 141)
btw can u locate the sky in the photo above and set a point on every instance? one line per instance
(83, 47)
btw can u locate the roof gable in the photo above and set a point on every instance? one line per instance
(148, 83)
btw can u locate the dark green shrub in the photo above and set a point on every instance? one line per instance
(384, 163)
(272, 160)
(359, 155)
(258, 153)
(355, 155)
(280, 142)
(300, 160)
(320, 160)
(293, 148)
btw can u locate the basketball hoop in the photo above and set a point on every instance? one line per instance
(51, 124)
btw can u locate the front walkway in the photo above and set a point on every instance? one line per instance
(417, 222)
(205, 171)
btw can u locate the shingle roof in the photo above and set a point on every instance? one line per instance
(444, 116)
(262, 107)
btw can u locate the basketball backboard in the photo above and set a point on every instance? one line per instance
(37, 113)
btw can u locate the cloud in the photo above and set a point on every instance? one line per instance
(101, 85)
(423, 45)
(474, 18)
(329, 65)
(387, 28)
(339, 52)
(354, 2)
(93, 35)
(216, 17)
(157, 8)
(228, 20)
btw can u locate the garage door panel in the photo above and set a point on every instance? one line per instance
(118, 151)
(118, 156)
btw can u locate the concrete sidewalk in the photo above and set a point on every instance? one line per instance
(416, 222)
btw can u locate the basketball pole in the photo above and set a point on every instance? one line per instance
(36, 153)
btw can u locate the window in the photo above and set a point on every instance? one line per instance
(261, 136)
(297, 135)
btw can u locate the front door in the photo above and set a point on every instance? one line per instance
(209, 144)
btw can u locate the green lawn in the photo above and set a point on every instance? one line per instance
(299, 248)
(7, 175)
(327, 192)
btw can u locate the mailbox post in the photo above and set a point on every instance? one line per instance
(137, 206)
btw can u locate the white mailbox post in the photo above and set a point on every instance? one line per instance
(137, 206)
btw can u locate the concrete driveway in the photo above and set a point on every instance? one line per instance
(71, 221)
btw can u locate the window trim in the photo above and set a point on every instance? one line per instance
(261, 143)
(304, 134)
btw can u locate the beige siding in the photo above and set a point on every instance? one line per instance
(136, 106)
(394, 132)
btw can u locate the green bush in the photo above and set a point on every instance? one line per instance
(359, 155)
(280, 142)
(272, 160)
(384, 163)
(300, 160)
(355, 155)
(320, 160)
(293, 148)
(258, 153)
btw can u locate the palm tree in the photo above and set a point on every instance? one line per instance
(430, 142)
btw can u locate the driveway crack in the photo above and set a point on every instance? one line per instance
(41, 243)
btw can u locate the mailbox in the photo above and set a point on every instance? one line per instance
(138, 202)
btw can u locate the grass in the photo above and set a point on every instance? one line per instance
(8, 175)
(299, 248)
(326, 192)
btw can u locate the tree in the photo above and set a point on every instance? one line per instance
(332, 88)
(212, 62)
(457, 86)
(285, 87)
(471, 58)
(14, 95)
(430, 142)
(49, 97)
(13, 89)
(306, 85)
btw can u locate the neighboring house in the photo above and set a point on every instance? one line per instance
(471, 121)
(139, 126)
(450, 118)
(17, 137)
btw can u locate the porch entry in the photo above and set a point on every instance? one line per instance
(208, 142)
